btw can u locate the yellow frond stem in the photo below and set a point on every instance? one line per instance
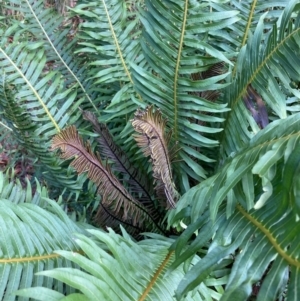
(292, 261)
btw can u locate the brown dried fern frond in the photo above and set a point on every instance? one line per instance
(154, 143)
(134, 180)
(114, 195)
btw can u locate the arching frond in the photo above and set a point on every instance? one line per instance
(110, 37)
(250, 12)
(46, 26)
(36, 100)
(266, 244)
(174, 45)
(261, 189)
(32, 227)
(128, 271)
(235, 180)
(35, 138)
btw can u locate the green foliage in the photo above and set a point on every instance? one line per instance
(112, 275)
(32, 228)
(92, 264)
(34, 57)
(267, 235)
(226, 76)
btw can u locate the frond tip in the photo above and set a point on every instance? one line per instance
(154, 143)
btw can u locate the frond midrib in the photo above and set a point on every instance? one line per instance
(155, 277)
(246, 33)
(176, 75)
(291, 260)
(60, 57)
(248, 23)
(116, 42)
(260, 66)
(33, 90)
(251, 79)
(28, 259)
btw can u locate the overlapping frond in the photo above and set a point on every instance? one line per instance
(30, 105)
(235, 180)
(261, 189)
(12, 190)
(48, 27)
(110, 275)
(270, 66)
(131, 177)
(265, 244)
(115, 198)
(174, 45)
(36, 100)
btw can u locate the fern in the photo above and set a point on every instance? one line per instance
(168, 44)
(225, 75)
(33, 97)
(266, 66)
(27, 244)
(250, 13)
(257, 178)
(115, 198)
(112, 48)
(111, 276)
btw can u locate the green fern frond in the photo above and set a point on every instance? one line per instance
(32, 227)
(30, 106)
(174, 45)
(259, 220)
(266, 247)
(250, 12)
(235, 180)
(111, 276)
(270, 67)
(45, 25)
(110, 38)
(36, 99)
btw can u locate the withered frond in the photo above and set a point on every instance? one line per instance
(154, 143)
(108, 149)
(114, 195)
